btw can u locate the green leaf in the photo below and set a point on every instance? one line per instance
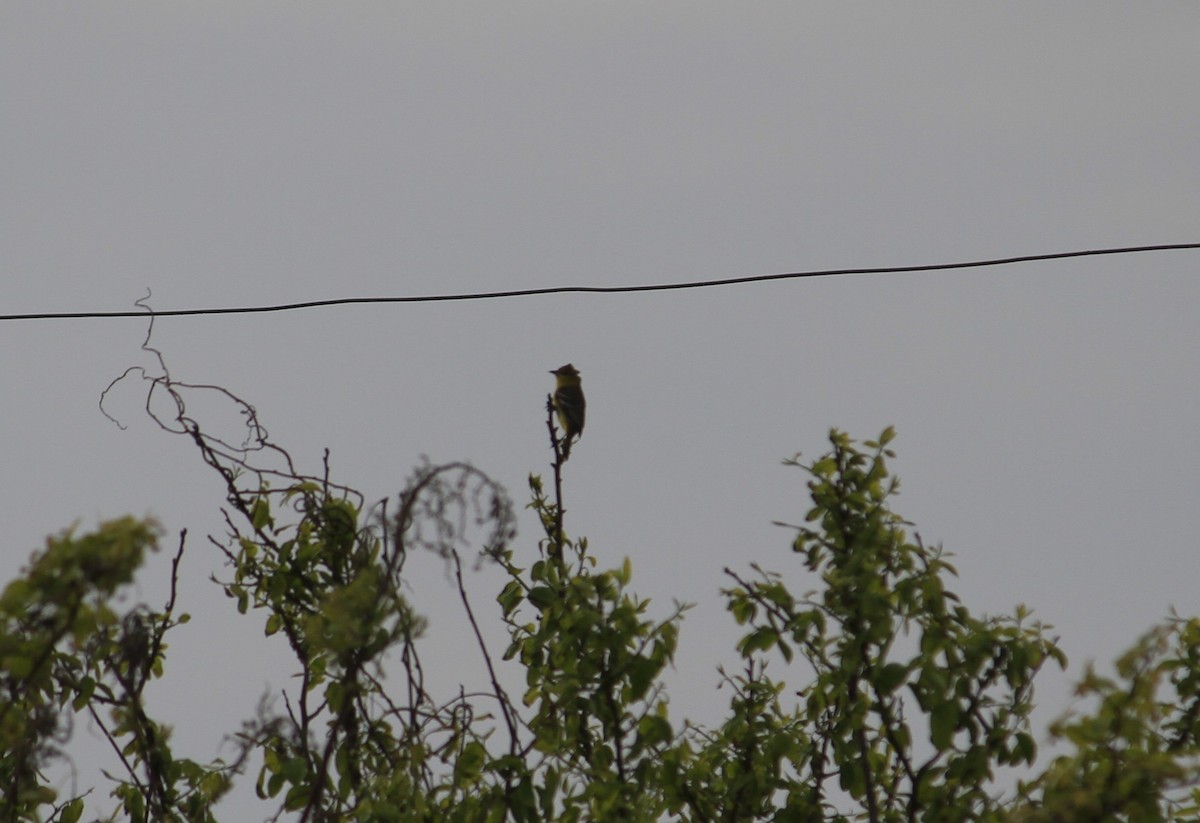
(297, 798)
(1026, 747)
(260, 514)
(943, 723)
(653, 730)
(294, 769)
(72, 811)
(274, 784)
(758, 640)
(17, 665)
(83, 693)
(131, 800)
(743, 609)
(510, 597)
(891, 676)
(469, 765)
(851, 779)
(641, 673)
(541, 596)
(16, 595)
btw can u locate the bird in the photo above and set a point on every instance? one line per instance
(569, 404)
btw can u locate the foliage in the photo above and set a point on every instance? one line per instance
(1136, 756)
(899, 703)
(969, 680)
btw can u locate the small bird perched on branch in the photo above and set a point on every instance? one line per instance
(569, 404)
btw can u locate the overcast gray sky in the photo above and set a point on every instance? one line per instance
(252, 153)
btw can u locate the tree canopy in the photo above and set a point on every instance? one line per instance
(876, 695)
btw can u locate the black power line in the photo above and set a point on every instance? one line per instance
(697, 284)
